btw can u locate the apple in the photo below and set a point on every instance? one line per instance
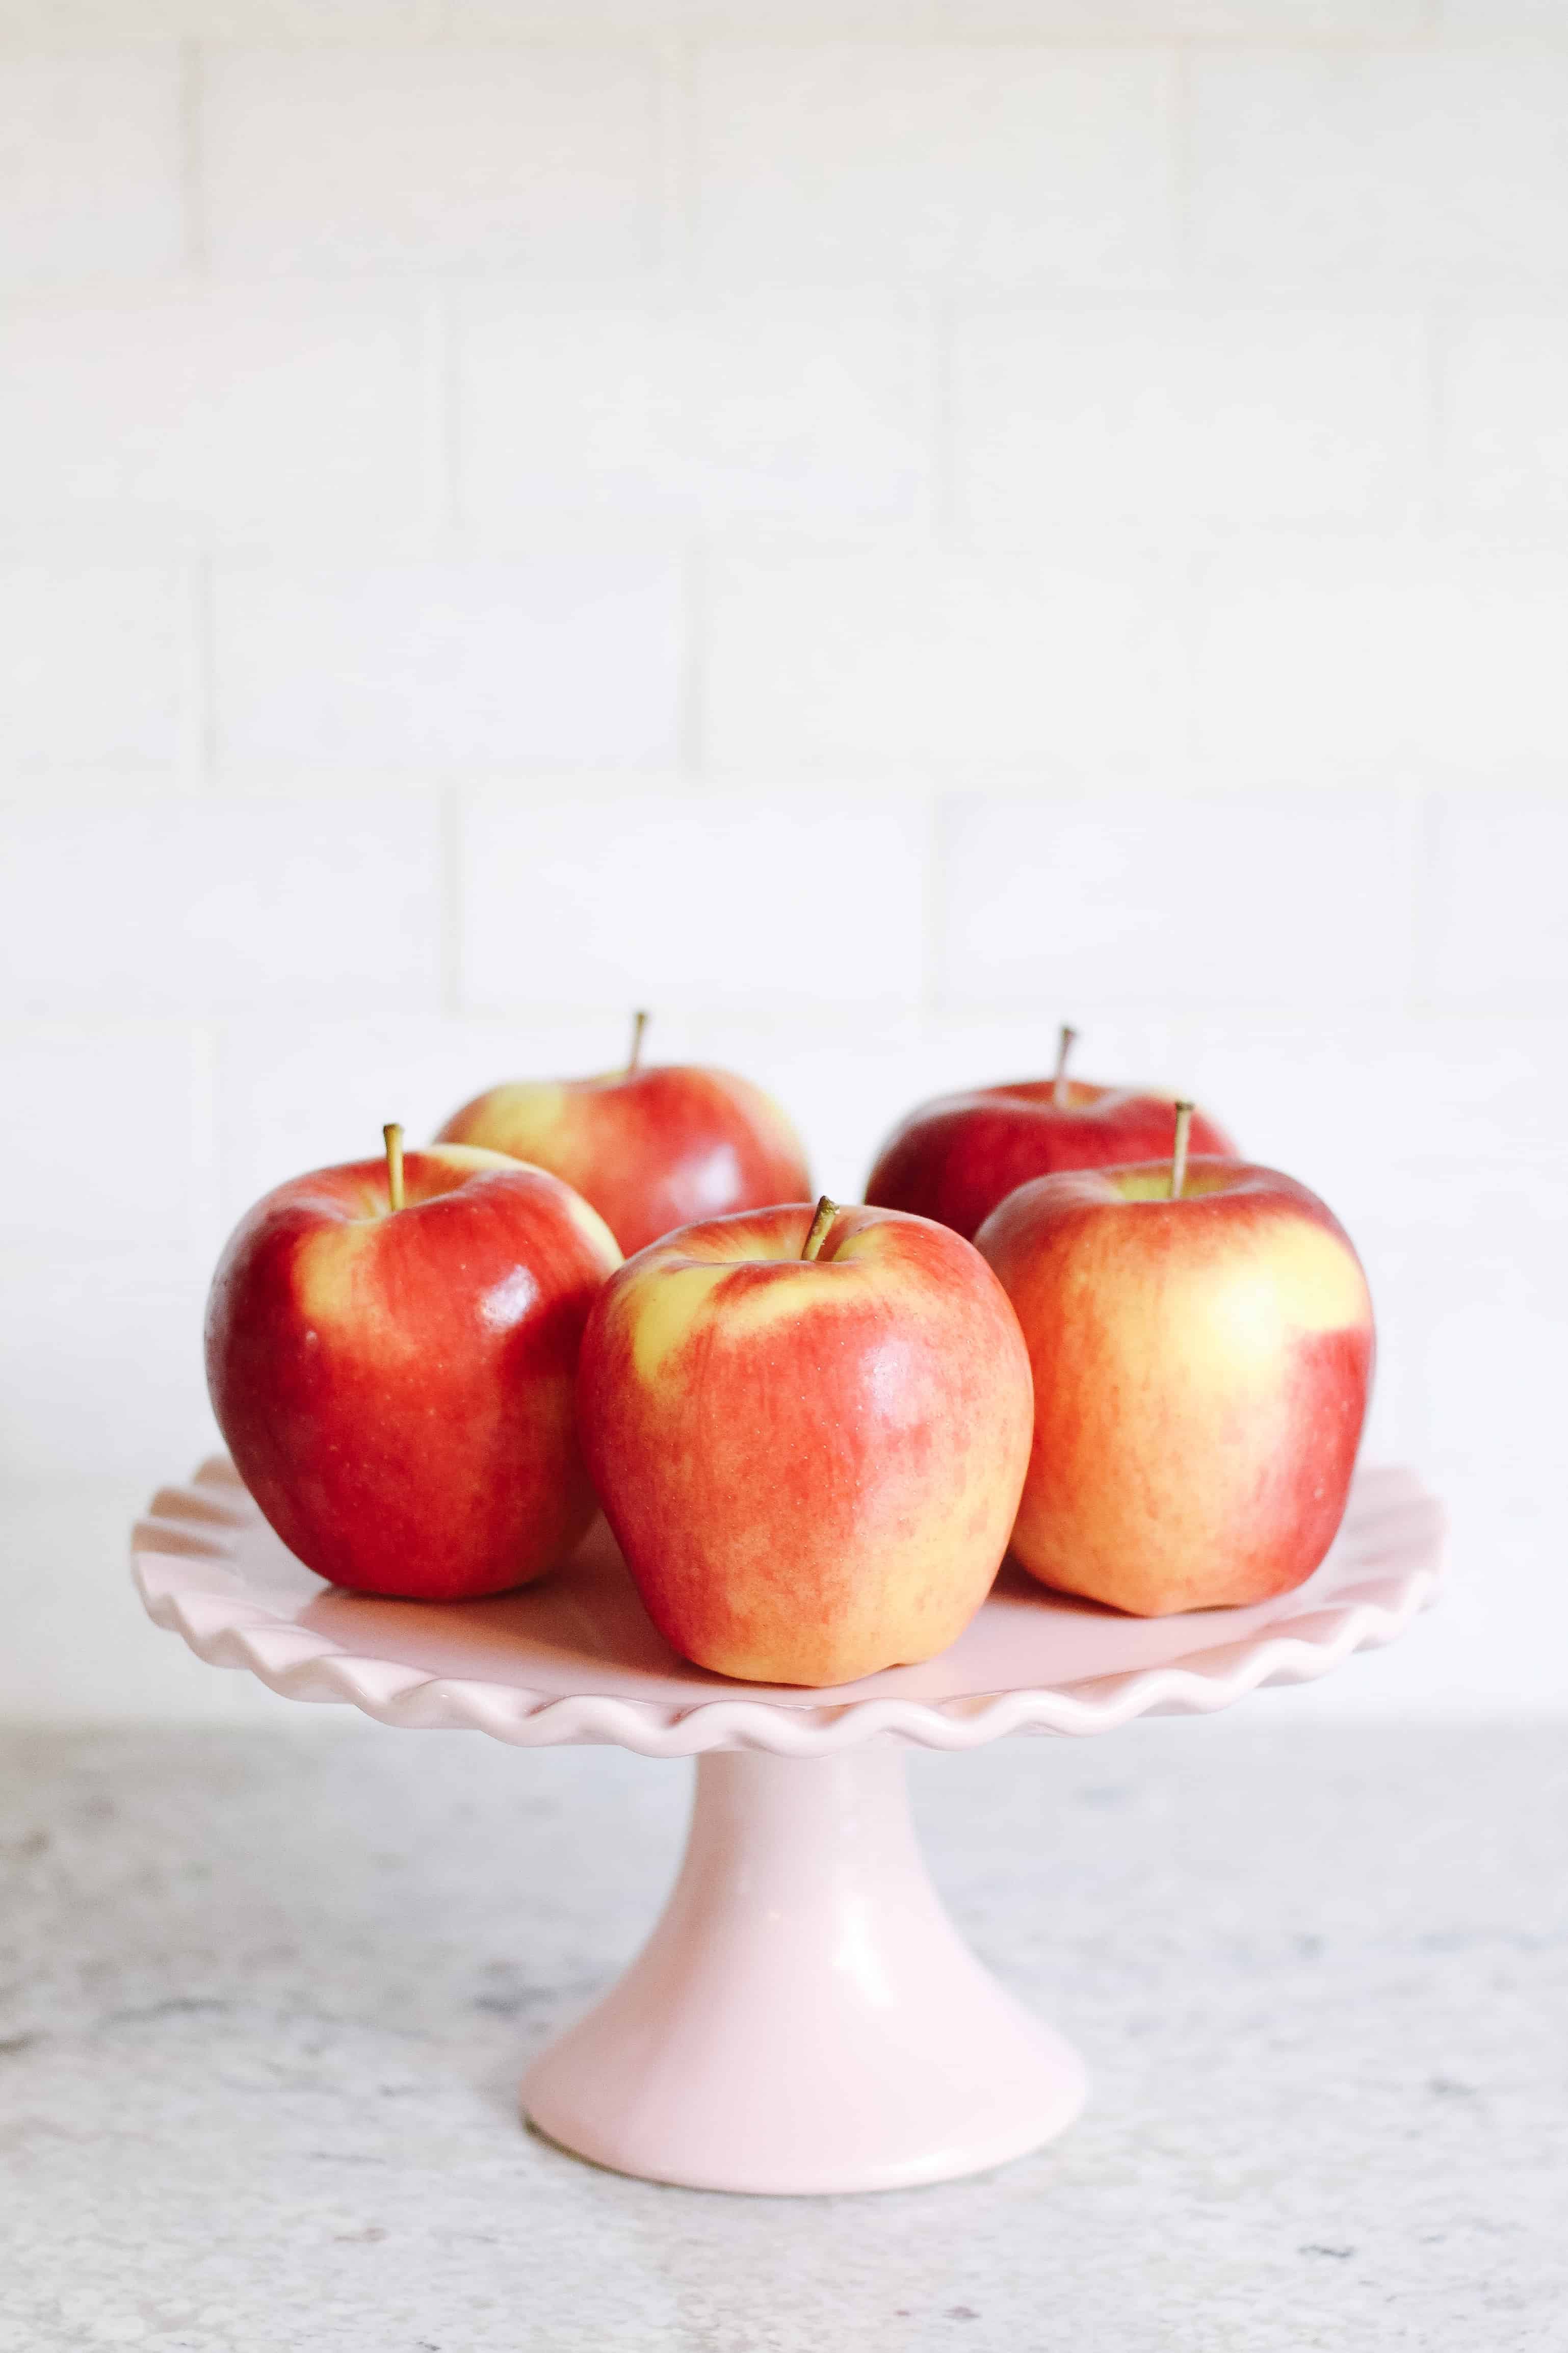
(390, 1349)
(955, 1157)
(652, 1148)
(809, 1436)
(1201, 1362)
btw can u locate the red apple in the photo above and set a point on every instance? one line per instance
(954, 1158)
(651, 1149)
(395, 1383)
(1201, 1368)
(812, 1464)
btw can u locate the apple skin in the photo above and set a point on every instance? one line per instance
(1201, 1371)
(652, 1149)
(811, 1468)
(956, 1158)
(396, 1387)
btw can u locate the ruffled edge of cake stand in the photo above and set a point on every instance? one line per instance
(1402, 1530)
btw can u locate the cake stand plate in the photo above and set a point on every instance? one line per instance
(803, 2017)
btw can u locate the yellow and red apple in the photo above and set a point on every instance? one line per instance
(1201, 1366)
(957, 1157)
(651, 1148)
(390, 1351)
(811, 1463)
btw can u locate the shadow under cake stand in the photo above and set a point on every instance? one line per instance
(805, 2016)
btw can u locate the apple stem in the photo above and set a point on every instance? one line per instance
(639, 1023)
(392, 1134)
(826, 1211)
(1059, 1085)
(1179, 1156)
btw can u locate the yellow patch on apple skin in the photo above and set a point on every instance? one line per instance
(516, 1118)
(672, 1300)
(327, 1274)
(1154, 1183)
(465, 1159)
(665, 1307)
(1317, 1283)
(590, 1226)
(872, 1240)
(1227, 1321)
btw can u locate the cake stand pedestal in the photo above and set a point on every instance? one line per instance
(803, 2017)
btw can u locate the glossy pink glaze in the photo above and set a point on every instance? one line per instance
(652, 1149)
(805, 2016)
(1160, 1479)
(396, 1389)
(820, 1478)
(956, 1158)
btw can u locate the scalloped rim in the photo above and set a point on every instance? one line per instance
(230, 1629)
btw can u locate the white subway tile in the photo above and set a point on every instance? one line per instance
(1170, 20)
(292, 1095)
(62, 23)
(1003, 166)
(1472, 21)
(107, 1137)
(1500, 939)
(1303, 20)
(812, 899)
(1315, 656)
(91, 156)
(194, 906)
(531, 158)
(887, 660)
(809, 414)
(1392, 169)
(1504, 411)
(665, 20)
(1166, 417)
(101, 1372)
(101, 666)
(1352, 1106)
(561, 659)
(79, 1645)
(1176, 901)
(257, 413)
(1488, 1241)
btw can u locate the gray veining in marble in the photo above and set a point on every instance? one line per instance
(263, 2000)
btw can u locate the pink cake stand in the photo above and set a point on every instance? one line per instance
(804, 2016)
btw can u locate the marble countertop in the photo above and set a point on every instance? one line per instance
(263, 2000)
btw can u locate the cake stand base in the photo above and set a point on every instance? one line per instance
(805, 2016)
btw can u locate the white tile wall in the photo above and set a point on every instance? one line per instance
(1378, 170)
(102, 662)
(92, 166)
(942, 659)
(944, 165)
(135, 1081)
(610, 902)
(1503, 401)
(875, 532)
(199, 906)
(446, 665)
(1499, 922)
(1339, 656)
(1171, 417)
(382, 159)
(306, 411)
(1188, 904)
(811, 414)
